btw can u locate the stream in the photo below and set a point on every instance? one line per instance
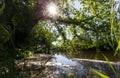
(83, 68)
(62, 66)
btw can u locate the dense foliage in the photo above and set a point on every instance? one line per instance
(92, 24)
(26, 26)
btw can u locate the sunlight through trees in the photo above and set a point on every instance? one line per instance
(32, 26)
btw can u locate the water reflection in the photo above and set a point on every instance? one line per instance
(64, 60)
(81, 68)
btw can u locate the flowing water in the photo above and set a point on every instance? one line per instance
(83, 68)
(67, 66)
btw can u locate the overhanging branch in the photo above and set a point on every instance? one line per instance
(70, 21)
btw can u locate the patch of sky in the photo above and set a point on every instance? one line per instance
(118, 16)
(117, 0)
(76, 4)
(69, 34)
(55, 42)
(60, 38)
(116, 7)
(58, 41)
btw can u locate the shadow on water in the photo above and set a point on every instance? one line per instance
(82, 68)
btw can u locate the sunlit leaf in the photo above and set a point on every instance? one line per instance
(100, 74)
(117, 49)
(109, 63)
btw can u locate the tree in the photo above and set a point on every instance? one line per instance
(16, 21)
(94, 18)
(42, 37)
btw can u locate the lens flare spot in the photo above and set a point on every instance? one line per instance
(52, 9)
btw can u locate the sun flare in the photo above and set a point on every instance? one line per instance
(52, 9)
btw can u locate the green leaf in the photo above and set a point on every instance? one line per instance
(109, 63)
(2, 8)
(117, 49)
(100, 74)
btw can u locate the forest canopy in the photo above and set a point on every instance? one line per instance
(95, 24)
(64, 25)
